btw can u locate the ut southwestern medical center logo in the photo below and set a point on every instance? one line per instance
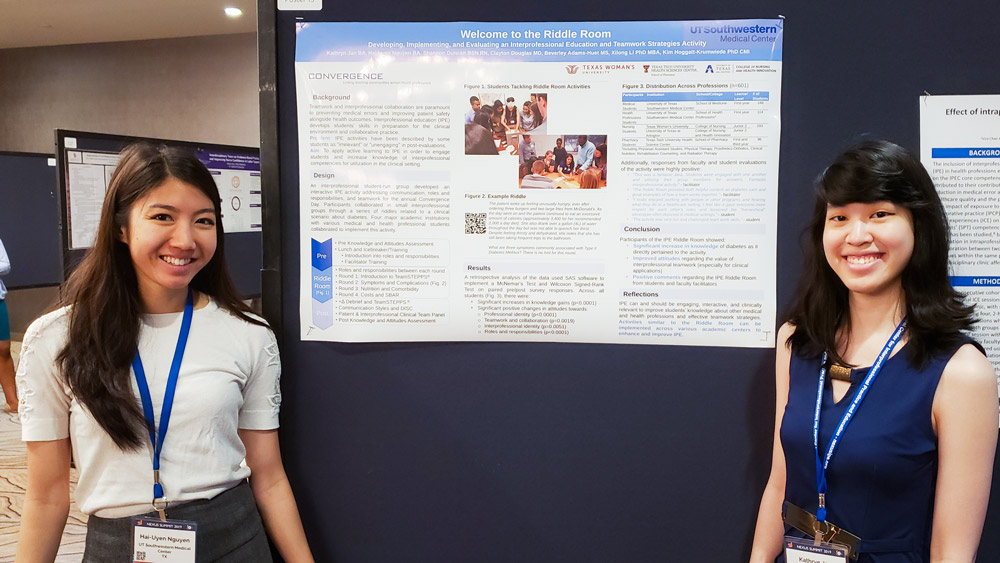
(726, 28)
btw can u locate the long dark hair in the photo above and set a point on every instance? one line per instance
(103, 291)
(868, 172)
(601, 161)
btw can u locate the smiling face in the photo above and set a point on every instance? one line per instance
(171, 236)
(868, 245)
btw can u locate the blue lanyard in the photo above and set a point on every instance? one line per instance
(168, 397)
(846, 419)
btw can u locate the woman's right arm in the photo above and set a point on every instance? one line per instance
(769, 533)
(45, 430)
(46, 502)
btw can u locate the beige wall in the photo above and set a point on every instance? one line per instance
(193, 88)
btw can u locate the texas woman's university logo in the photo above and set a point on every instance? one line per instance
(572, 69)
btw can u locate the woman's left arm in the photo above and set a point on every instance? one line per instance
(965, 419)
(274, 495)
(4, 260)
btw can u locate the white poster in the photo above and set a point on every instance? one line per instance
(237, 175)
(424, 220)
(87, 175)
(960, 147)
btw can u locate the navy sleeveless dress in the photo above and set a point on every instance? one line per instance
(881, 479)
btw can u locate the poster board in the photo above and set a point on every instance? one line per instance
(543, 451)
(29, 219)
(423, 220)
(960, 148)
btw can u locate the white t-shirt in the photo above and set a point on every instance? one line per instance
(4, 268)
(228, 379)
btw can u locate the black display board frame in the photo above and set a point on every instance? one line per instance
(568, 452)
(29, 221)
(243, 250)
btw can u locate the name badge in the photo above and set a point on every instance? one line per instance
(798, 550)
(163, 541)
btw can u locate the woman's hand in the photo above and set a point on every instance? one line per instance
(274, 496)
(46, 501)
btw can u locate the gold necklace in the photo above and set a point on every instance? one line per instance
(840, 373)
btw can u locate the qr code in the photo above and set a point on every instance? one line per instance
(475, 223)
(140, 555)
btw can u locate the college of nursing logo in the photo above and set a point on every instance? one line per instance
(571, 69)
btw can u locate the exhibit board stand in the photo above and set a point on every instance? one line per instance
(535, 451)
(29, 219)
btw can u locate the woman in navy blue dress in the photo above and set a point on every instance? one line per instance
(910, 474)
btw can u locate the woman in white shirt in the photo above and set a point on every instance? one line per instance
(153, 295)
